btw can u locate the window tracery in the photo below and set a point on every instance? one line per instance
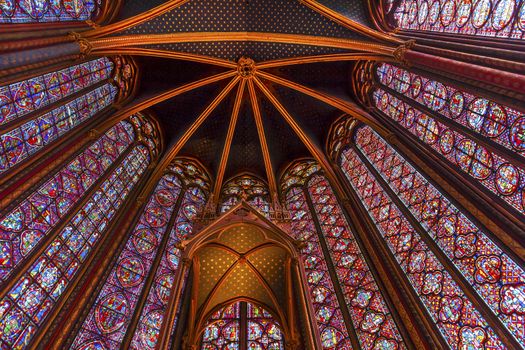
(35, 217)
(492, 18)
(65, 252)
(245, 187)
(32, 11)
(166, 220)
(502, 125)
(316, 205)
(39, 110)
(223, 329)
(490, 271)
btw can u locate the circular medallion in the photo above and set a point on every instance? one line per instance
(446, 141)
(481, 13)
(502, 14)
(415, 87)
(517, 134)
(495, 120)
(163, 288)
(456, 104)
(112, 312)
(463, 13)
(410, 117)
(433, 15)
(130, 272)
(435, 95)
(448, 12)
(144, 241)
(155, 216)
(165, 198)
(423, 12)
(507, 179)
(476, 112)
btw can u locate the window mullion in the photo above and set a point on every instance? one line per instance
(331, 270)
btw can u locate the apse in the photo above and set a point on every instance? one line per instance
(262, 174)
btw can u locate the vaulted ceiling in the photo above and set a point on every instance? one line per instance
(229, 30)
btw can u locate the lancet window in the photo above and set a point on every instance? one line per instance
(49, 238)
(339, 277)
(245, 187)
(224, 329)
(468, 131)
(492, 18)
(37, 111)
(425, 231)
(147, 265)
(34, 11)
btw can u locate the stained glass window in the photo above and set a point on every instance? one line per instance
(108, 319)
(370, 315)
(155, 310)
(493, 18)
(115, 305)
(223, 329)
(31, 11)
(43, 283)
(500, 124)
(249, 188)
(22, 228)
(493, 275)
(31, 118)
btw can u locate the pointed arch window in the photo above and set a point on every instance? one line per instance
(489, 18)
(34, 11)
(25, 226)
(37, 111)
(410, 212)
(150, 250)
(62, 254)
(224, 329)
(468, 131)
(319, 221)
(249, 188)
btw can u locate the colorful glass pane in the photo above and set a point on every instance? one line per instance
(53, 271)
(492, 18)
(490, 271)
(34, 11)
(370, 314)
(264, 332)
(450, 309)
(501, 124)
(22, 141)
(328, 313)
(22, 228)
(223, 329)
(492, 170)
(109, 317)
(156, 305)
(21, 98)
(246, 187)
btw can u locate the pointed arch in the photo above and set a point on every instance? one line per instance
(50, 236)
(483, 18)
(41, 110)
(246, 187)
(130, 305)
(340, 279)
(451, 242)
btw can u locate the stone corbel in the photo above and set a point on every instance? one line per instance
(400, 52)
(84, 45)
